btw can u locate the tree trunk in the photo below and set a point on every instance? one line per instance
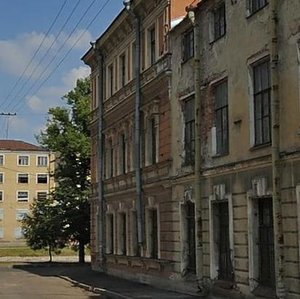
(81, 252)
(50, 254)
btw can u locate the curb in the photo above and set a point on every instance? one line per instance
(111, 294)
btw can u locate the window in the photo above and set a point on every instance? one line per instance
(110, 80)
(189, 131)
(153, 234)
(111, 159)
(122, 244)
(23, 160)
(19, 233)
(21, 214)
(22, 196)
(41, 195)
(122, 70)
(123, 156)
(1, 195)
(42, 178)
(191, 242)
(42, 161)
(221, 114)
(262, 97)
(188, 45)
(152, 139)
(133, 60)
(1, 159)
(152, 45)
(23, 178)
(1, 177)
(1, 214)
(110, 234)
(255, 5)
(219, 22)
(1, 233)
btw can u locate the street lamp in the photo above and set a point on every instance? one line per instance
(127, 4)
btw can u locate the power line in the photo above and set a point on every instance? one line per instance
(67, 53)
(46, 53)
(35, 53)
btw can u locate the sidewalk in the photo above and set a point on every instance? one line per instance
(109, 286)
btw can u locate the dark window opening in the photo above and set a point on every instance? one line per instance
(152, 45)
(219, 21)
(189, 131)
(154, 234)
(190, 217)
(188, 45)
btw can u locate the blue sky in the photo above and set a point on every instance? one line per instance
(23, 26)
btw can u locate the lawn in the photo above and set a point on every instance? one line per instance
(26, 251)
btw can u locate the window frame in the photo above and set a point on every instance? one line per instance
(122, 69)
(222, 143)
(189, 127)
(2, 159)
(1, 195)
(23, 156)
(41, 191)
(152, 45)
(22, 199)
(23, 174)
(187, 44)
(2, 176)
(219, 21)
(110, 80)
(251, 11)
(42, 174)
(44, 157)
(19, 212)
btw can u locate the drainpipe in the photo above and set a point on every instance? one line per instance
(137, 130)
(276, 161)
(198, 157)
(102, 203)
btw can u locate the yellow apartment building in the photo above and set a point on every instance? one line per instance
(24, 175)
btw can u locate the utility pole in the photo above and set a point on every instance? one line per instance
(7, 123)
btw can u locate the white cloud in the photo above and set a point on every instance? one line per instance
(36, 104)
(18, 125)
(74, 74)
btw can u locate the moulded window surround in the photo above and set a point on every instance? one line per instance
(42, 161)
(1, 195)
(255, 5)
(42, 178)
(22, 196)
(1, 177)
(23, 178)
(2, 160)
(23, 160)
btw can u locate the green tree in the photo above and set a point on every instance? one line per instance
(67, 135)
(42, 228)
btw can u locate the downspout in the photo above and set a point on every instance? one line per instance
(102, 202)
(198, 157)
(137, 131)
(276, 161)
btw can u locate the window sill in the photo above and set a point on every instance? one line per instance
(183, 61)
(252, 13)
(221, 155)
(217, 39)
(260, 146)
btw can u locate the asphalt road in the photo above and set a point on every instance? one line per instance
(17, 283)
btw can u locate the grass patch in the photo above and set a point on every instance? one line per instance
(26, 251)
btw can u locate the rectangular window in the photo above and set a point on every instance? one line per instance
(262, 103)
(133, 60)
(111, 159)
(122, 66)
(152, 45)
(1, 233)
(1, 195)
(188, 45)
(1, 214)
(21, 214)
(23, 178)
(153, 234)
(41, 195)
(191, 241)
(110, 234)
(219, 22)
(153, 141)
(23, 160)
(1, 177)
(42, 161)
(19, 233)
(221, 114)
(42, 178)
(189, 131)
(123, 234)
(123, 156)
(110, 80)
(22, 196)
(255, 5)
(1, 160)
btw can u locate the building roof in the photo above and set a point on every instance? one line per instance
(18, 145)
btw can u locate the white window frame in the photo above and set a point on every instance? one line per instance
(22, 199)
(41, 191)
(39, 174)
(22, 173)
(3, 158)
(20, 214)
(42, 156)
(2, 173)
(18, 161)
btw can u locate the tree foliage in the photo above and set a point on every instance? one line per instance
(67, 135)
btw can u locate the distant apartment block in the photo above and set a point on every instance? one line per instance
(24, 175)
